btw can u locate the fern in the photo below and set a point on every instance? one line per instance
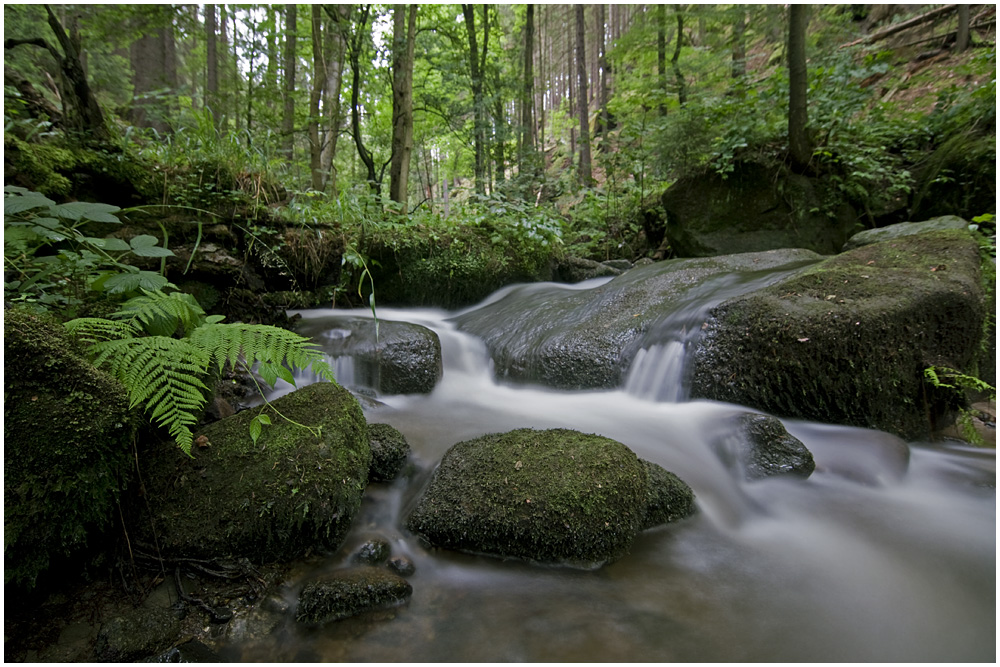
(166, 375)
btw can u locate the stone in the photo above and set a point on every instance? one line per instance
(577, 269)
(67, 438)
(402, 566)
(389, 452)
(904, 229)
(144, 632)
(668, 498)
(296, 490)
(347, 593)
(557, 497)
(767, 449)
(846, 341)
(373, 552)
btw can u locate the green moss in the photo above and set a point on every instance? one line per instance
(348, 593)
(67, 440)
(551, 496)
(293, 491)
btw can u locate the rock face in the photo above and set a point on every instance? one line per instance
(401, 358)
(293, 491)
(586, 339)
(554, 496)
(754, 208)
(350, 592)
(847, 340)
(67, 437)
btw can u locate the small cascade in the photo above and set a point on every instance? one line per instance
(657, 373)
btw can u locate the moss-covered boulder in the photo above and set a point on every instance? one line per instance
(756, 207)
(766, 449)
(67, 447)
(297, 489)
(555, 496)
(905, 229)
(847, 340)
(350, 592)
(587, 339)
(391, 357)
(141, 634)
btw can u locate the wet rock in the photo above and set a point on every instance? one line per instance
(295, 490)
(142, 633)
(189, 651)
(389, 452)
(577, 269)
(846, 341)
(904, 229)
(586, 339)
(350, 592)
(768, 449)
(373, 552)
(554, 496)
(398, 358)
(402, 566)
(668, 498)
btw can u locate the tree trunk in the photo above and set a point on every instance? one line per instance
(526, 143)
(336, 48)
(315, 95)
(154, 76)
(404, 27)
(570, 76)
(581, 68)
(476, 75)
(962, 39)
(288, 113)
(661, 53)
(363, 153)
(212, 64)
(738, 68)
(798, 139)
(681, 85)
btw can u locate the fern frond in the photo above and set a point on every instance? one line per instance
(252, 343)
(164, 375)
(160, 314)
(97, 329)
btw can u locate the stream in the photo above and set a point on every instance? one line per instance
(886, 553)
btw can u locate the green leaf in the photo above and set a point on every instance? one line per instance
(255, 429)
(145, 245)
(110, 243)
(18, 204)
(76, 210)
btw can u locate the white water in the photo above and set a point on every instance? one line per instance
(886, 553)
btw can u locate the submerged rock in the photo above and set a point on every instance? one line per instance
(398, 358)
(297, 489)
(350, 592)
(586, 339)
(556, 496)
(142, 633)
(846, 341)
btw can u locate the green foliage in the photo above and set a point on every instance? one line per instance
(51, 259)
(167, 375)
(958, 386)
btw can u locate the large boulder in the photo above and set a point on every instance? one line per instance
(67, 444)
(756, 207)
(391, 357)
(554, 496)
(847, 340)
(297, 489)
(586, 339)
(904, 229)
(350, 592)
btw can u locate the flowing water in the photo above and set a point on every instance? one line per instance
(886, 553)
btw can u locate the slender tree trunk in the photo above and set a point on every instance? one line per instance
(336, 48)
(526, 144)
(661, 53)
(962, 38)
(605, 75)
(363, 153)
(315, 95)
(476, 74)
(288, 113)
(798, 138)
(739, 64)
(212, 64)
(681, 84)
(570, 75)
(586, 179)
(403, 37)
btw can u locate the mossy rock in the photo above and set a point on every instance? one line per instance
(905, 229)
(389, 452)
(141, 634)
(556, 496)
(847, 340)
(67, 447)
(350, 592)
(768, 449)
(293, 491)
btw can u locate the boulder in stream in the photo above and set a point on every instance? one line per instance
(297, 489)
(846, 341)
(587, 338)
(350, 592)
(764, 449)
(557, 496)
(389, 452)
